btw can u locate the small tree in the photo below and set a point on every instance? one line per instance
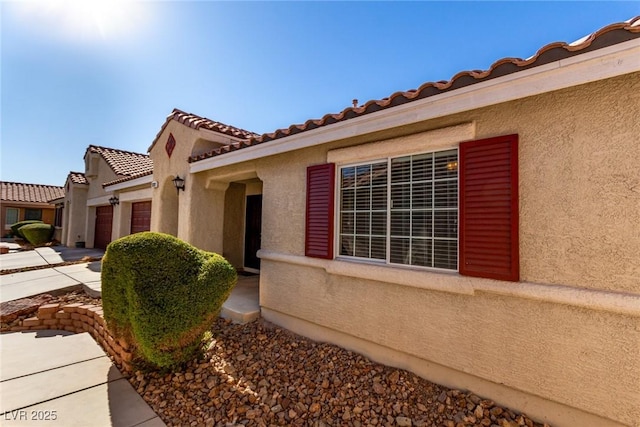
(161, 295)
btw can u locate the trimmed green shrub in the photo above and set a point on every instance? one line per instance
(161, 295)
(15, 228)
(37, 234)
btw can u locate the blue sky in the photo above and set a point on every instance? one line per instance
(79, 73)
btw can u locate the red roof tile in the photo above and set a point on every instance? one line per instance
(196, 122)
(607, 36)
(122, 162)
(128, 178)
(35, 193)
(78, 178)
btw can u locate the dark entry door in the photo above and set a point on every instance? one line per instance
(140, 217)
(253, 231)
(104, 219)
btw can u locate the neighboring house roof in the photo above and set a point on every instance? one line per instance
(122, 162)
(128, 178)
(196, 122)
(32, 193)
(78, 178)
(607, 36)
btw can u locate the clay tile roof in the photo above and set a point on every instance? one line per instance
(36, 193)
(128, 178)
(196, 122)
(78, 178)
(604, 37)
(122, 162)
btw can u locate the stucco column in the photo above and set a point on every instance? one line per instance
(77, 214)
(121, 220)
(201, 219)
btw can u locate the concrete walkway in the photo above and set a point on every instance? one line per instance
(45, 256)
(54, 280)
(243, 305)
(63, 379)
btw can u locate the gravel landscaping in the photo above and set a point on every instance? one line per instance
(258, 374)
(261, 375)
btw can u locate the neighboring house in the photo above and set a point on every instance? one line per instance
(28, 201)
(96, 213)
(482, 232)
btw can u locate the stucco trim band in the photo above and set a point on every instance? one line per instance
(131, 183)
(98, 201)
(437, 139)
(614, 302)
(534, 406)
(136, 195)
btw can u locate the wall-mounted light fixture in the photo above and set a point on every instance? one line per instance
(114, 201)
(179, 183)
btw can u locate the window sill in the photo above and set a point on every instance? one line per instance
(451, 282)
(440, 280)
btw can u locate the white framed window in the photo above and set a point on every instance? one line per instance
(11, 217)
(401, 210)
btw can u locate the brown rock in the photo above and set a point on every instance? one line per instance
(11, 310)
(394, 377)
(378, 388)
(346, 415)
(403, 422)
(496, 411)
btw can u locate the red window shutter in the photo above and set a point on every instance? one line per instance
(489, 208)
(320, 208)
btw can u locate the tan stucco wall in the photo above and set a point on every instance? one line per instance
(104, 174)
(579, 228)
(568, 334)
(209, 214)
(166, 203)
(75, 215)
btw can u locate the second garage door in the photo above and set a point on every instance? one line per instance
(140, 217)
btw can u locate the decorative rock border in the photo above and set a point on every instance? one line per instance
(78, 318)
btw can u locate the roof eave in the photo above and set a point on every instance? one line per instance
(590, 66)
(135, 182)
(26, 203)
